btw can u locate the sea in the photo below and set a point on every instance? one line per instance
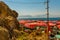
(38, 19)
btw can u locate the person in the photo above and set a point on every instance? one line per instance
(51, 36)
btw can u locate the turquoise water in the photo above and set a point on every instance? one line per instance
(39, 18)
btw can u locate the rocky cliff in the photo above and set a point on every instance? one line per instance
(8, 20)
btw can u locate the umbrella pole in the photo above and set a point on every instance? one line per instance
(48, 19)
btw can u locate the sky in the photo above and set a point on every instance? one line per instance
(34, 7)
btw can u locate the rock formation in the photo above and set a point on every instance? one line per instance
(8, 18)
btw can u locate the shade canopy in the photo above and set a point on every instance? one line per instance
(22, 21)
(51, 24)
(41, 24)
(33, 25)
(30, 25)
(58, 22)
(58, 26)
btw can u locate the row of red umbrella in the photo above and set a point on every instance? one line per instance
(32, 24)
(30, 21)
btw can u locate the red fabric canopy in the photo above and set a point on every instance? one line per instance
(40, 21)
(33, 25)
(58, 26)
(51, 24)
(58, 22)
(41, 24)
(22, 21)
(30, 25)
(28, 21)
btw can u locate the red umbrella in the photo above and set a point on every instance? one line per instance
(27, 25)
(51, 24)
(33, 20)
(50, 21)
(54, 21)
(41, 24)
(58, 22)
(40, 21)
(58, 26)
(29, 21)
(22, 21)
(30, 25)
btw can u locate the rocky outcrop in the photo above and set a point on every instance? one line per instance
(8, 19)
(4, 34)
(6, 11)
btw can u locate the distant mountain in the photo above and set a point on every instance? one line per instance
(25, 16)
(30, 16)
(36, 16)
(40, 16)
